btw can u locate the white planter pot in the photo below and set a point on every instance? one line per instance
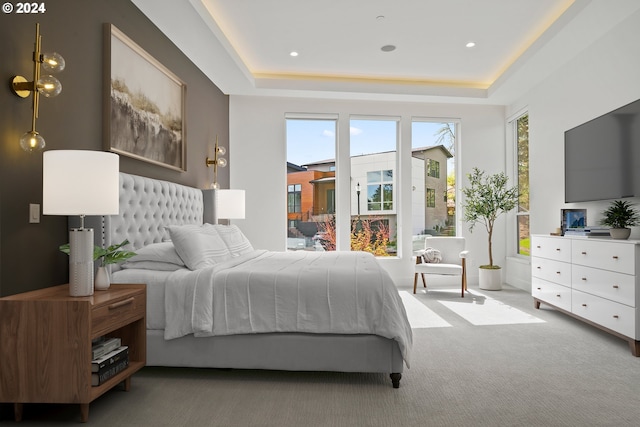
(490, 279)
(620, 233)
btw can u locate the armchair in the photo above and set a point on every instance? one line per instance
(453, 260)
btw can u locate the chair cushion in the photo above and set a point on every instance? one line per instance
(431, 268)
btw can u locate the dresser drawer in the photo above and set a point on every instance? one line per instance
(556, 248)
(617, 287)
(611, 256)
(551, 270)
(117, 313)
(552, 293)
(612, 315)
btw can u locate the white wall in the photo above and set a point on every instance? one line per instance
(258, 155)
(601, 78)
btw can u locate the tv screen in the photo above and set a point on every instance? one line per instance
(602, 157)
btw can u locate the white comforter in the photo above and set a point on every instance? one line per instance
(313, 292)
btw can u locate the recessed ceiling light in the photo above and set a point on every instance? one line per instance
(388, 48)
(471, 44)
(294, 53)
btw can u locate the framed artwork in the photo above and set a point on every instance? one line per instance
(573, 218)
(144, 110)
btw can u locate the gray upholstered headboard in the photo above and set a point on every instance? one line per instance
(147, 206)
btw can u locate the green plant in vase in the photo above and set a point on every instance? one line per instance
(620, 215)
(113, 254)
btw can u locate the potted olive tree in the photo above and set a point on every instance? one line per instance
(486, 198)
(620, 215)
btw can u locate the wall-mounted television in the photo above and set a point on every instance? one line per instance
(602, 157)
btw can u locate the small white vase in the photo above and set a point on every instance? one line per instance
(102, 281)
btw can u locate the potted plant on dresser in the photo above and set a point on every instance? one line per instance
(486, 198)
(620, 215)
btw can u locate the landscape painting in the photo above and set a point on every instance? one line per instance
(145, 113)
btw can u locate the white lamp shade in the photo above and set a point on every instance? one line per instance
(229, 204)
(80, 182)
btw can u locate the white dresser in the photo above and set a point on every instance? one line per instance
(592, 279)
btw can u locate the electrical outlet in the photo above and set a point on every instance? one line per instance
(34, 213)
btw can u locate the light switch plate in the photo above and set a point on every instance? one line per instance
(34, 213)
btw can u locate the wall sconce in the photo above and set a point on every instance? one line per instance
(47, 86)
(217, 161)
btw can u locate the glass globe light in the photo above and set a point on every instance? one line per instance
(49, 86)
(32, 141)
(222, 162)
(53, 62)
(222, 151)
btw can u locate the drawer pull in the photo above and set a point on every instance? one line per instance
(121, 303)
(615, 286)
(557, 272)
(558, 295)
(584, 279)
(584, 305)
(557, 249)
(538, 246)
(615, 257)
(538, 267)
(583, 253)
(615, 316)
(539, 289)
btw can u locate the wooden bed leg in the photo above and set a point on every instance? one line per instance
(17, 411)
(395, 379)
(635, 347)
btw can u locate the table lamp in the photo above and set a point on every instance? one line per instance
(80, 182)
(227, 204)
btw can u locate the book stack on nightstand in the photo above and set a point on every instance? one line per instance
(109, 359)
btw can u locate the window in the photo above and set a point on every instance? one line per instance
(522, 141)
(294, 198)
(380, 190)
(433, 168)
(311, 182)
(373, 143)
(431, 197)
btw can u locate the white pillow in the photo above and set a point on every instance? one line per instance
(163, 252)
(199, 246)
(236, 241)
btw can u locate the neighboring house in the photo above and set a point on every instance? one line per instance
(311, 191)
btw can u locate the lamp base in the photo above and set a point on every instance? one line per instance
(81, 262)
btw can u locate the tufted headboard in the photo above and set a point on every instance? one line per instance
(147, 206)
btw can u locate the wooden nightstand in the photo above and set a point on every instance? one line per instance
(45, 343)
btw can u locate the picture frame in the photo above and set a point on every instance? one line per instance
(573, 218)
(144, 111)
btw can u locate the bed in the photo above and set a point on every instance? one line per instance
(366, 330)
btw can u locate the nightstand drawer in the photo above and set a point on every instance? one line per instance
(556, 248)
(117, 313)
(612, 256)
(617, 317)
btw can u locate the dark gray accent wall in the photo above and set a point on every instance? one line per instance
(29, 258)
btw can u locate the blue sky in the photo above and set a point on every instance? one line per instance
(309, 141)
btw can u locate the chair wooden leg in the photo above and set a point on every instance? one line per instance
(415, 282)
(423, 281)
(464, 276)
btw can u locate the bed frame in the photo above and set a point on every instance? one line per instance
(146, 207)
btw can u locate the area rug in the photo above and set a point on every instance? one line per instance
(419, 315)
(488, 311)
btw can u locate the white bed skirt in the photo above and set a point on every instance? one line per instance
(277, 351)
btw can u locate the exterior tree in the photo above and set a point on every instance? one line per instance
(486, 199)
